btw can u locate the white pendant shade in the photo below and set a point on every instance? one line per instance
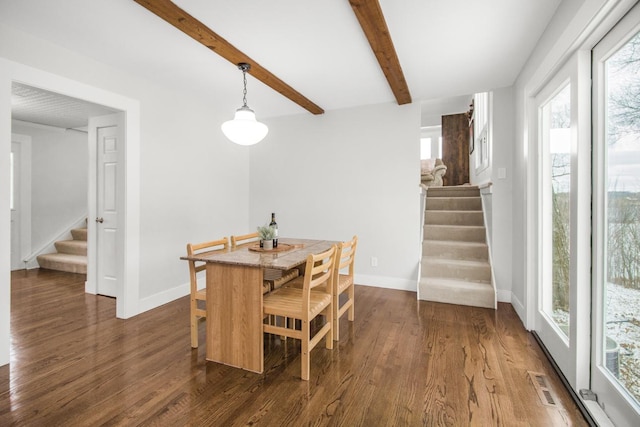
(244, 129)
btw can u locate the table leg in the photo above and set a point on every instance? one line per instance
(234, 316)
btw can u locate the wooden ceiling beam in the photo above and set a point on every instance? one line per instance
(373, 24)
(195, 29)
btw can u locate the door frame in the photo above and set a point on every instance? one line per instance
(577, 344)
(612, 395)
(25, 192)
(127, 302)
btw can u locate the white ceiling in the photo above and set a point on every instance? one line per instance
(42, 107)
(446, 48)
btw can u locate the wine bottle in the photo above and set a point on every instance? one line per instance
(274, 224)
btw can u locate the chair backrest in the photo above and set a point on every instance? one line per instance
(244, 239)
(201, 249)
(318, 272)
(346, 256)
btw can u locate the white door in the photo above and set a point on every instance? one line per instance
(108, 134)
(615, 366)
(563, 297)
(14, 203)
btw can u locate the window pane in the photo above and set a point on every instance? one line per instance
(425, 148)
(558, 194)
(622, 287)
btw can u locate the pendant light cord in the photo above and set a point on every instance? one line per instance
(244, 92)
(244, 67)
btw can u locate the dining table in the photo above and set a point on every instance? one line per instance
(234, 279)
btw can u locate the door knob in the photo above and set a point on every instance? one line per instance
(100, 220)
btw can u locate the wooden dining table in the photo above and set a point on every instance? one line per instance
(234, 297)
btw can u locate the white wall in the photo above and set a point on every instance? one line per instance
(503, 135)
(353, 171)
(432, 110)
(193, 183)
(59, 165)
(5, 216)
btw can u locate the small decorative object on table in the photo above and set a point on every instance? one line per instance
(274, 224)
(267, 234)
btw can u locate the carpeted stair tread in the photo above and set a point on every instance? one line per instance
(453, 249)
(64, 262)
(456, 243)
(471, 203)
(471, 270)
(462, 292)
(79, 234)
(72, 247)
(467, 233)
(461, 191)
(454, 217)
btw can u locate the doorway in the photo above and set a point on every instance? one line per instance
(68, 152)
(587, 229)
(127, 304)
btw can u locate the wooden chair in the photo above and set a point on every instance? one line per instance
(343, 283)
(195, 267)
(314, 299)
(273, 278)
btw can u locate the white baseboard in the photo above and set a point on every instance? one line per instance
(519, 308)
(164, 297)
(386, 282)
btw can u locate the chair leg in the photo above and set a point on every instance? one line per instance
(336, 319)
(329, 316)
(304, 368)
(353, 303)
(194, 327)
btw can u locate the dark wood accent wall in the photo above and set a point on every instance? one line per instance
(455, 148)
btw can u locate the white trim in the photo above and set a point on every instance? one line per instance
(518, 306)
(164, 297)
(25, 192)
(5, 214)
(600, 417)
(126, 306)
(486, 191)
(385, 282)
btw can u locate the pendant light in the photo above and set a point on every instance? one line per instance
(244, 129)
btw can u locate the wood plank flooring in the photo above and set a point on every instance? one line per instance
(401, 363)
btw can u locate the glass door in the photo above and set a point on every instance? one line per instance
(562, 315)
(616, 222)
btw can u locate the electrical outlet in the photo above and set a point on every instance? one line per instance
(374, 261)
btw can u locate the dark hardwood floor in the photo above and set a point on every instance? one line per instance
(401, 363)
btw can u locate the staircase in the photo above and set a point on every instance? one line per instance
(455, 256)
(71, 255)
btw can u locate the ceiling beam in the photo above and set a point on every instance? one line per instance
(195, 29)
(373, 24)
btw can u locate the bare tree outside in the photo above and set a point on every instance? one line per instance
(622, 291)
(560, 162)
